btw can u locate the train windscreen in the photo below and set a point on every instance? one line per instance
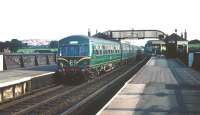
(75, 50)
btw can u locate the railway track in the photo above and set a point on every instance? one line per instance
(58, 99)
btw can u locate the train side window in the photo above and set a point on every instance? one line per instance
(111, 49)
(106, 49)
(100, 52)
(115, 50)
(99, 49)
(103, 49)
(97, 52)
(93, 50)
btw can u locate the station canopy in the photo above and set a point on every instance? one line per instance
(136, 34)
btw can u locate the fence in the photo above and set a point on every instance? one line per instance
(12, 61)
(196, 61)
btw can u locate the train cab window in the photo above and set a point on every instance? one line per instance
(70, 50)
(83, 50)
(75, 50)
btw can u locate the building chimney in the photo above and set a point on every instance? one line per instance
(185, 35)
(175, 31)
(96, 31)
(182, 35)
(89, 33)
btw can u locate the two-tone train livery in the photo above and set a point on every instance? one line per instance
(82, 57)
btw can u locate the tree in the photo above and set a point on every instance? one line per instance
(15, 45)
(12, 45)
(53, 44)
(2, 46)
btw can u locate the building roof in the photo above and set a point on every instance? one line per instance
(174, 37)
(194, 41)
(156, 42)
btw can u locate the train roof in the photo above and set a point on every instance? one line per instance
(86, 38)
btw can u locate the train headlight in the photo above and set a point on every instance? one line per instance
(83, 70)
(60, 70)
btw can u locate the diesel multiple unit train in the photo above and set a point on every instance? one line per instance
(81, 57)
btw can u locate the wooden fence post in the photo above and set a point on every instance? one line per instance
(55, 56)
(21, 61)
(4, 63)
(36, 61)
(47, 59)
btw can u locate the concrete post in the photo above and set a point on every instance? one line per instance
(47, 60)
(21, 61)
(55, 57)
(4, 63)
(1, 62)
(36, 60)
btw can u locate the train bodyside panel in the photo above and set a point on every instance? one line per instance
(105, 54)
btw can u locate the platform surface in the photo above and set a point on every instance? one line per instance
(161, 87)
(9, 77)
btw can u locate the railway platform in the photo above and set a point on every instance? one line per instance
(161, 87)
(19, 81)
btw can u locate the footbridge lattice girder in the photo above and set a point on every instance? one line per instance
(136, 34)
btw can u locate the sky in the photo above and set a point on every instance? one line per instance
(56, 19)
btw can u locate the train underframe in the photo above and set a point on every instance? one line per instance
(87, 73)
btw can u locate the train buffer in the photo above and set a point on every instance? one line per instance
(17, 82)
(162, 86)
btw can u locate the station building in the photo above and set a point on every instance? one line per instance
(155, 47)
(176, 46)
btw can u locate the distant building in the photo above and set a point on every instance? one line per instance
(176, 46)
(155, 47)
(36, 42)
(6, 51)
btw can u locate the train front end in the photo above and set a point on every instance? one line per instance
(73, 58)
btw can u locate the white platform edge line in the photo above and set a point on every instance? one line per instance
(103, 108)
(14, 82)
(42, 75)
(23, 79)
